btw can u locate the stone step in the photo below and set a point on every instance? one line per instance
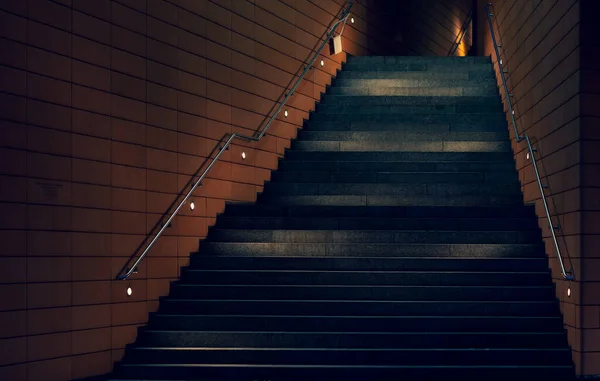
(395, 177)
(461, 73)
(358, 308)
(402, 146)
(249, 221)
(435, 190)
(171, 372)
(406, 127)
(408, 212)
(355, 108)
(319, 323)
(485, 169)
(441, 60)
(428, 157)
(373, 236)
(341, 356)
(488, 83)
(244, 249)
(415, 119)
(392, 200)
(447, 91)
(371, 264)
(400, 136)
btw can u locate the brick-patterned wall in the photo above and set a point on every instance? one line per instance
(542, 53)
(430, 27)
(107, 107)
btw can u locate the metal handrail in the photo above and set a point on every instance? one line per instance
(519, 138)
(461, 35)
(343, 17)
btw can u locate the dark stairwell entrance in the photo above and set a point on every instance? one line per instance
(391, 244)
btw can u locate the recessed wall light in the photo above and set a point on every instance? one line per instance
(129, 291)
(192, 205)
(569, 292)
(244, 155)
(528, 155)
(285, 113)
(352, 20)
(322, 63)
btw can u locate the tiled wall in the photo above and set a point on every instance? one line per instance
(107, 107)
(541, 51)
(590, 182)
(430, 27)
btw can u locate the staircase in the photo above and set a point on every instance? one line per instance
(392, 244)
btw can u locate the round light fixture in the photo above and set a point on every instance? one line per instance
(129, 291)
(569, 292)
(285, 113)
(192, 205)
(322, 63)
(244, 155)
(352, 20)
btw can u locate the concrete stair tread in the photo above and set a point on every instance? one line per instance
(380, 212)
(410, 146)
(414, 91)
(395, 177)
(412, 156)
(340, 136)
(411, 82)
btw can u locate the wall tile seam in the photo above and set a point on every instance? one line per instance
(502, 34)
(437, 8)
(140, 145)
(70, 355)
(434, 13)
(98, 209)
(130, 165)
(524, 130)
(170, 67)
(353, 28)
(433, 49)
(242, 16)
(526, 77)
(550, 198)
(103, 327)
(517, 23)
(544, 35)
(531, 66)
(373, 25)
(175, 47)
(549, 193)
(432, 26)
(522, 148)
(501, 13)
(299, 126)
(539, 104)
(441, 41)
